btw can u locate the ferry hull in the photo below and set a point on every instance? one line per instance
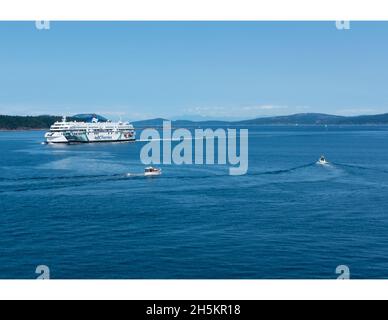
(84, 138)
(94, 138)
(56, 138)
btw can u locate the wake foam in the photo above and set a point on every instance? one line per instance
(352, 166)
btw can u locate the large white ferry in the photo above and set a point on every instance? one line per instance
(89, 132)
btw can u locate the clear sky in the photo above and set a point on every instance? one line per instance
(138, 70)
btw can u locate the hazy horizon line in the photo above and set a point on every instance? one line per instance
(199, 118)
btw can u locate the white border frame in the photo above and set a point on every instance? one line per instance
(194, 10)
(194, 290)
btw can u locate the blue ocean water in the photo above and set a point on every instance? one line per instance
(74, 209)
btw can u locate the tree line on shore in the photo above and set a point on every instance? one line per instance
(29, 122)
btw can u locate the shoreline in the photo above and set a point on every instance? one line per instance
(226, 125)
(22, 130)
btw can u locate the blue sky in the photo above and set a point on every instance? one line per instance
(138, 70)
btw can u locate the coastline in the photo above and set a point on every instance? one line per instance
(23, 130)
(237, 125)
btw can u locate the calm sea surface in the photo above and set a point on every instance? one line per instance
(74, 209)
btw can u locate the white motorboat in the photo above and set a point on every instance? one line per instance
(151, 171)
(322, 161)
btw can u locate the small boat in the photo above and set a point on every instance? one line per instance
(322, 160)
(151, 171)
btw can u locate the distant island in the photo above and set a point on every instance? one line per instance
(33, 122)
(45, 121)
(296, 119)
(26, 123)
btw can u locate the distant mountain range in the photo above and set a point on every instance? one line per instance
(296, 119)
(88, 117)
(44, 122)
(178, 123)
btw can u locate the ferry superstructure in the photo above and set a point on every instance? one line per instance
(90, 132)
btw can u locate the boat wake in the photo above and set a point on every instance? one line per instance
(25, 184)
(275, 172)
(57, 178)
(56, 183)
(352, 166)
